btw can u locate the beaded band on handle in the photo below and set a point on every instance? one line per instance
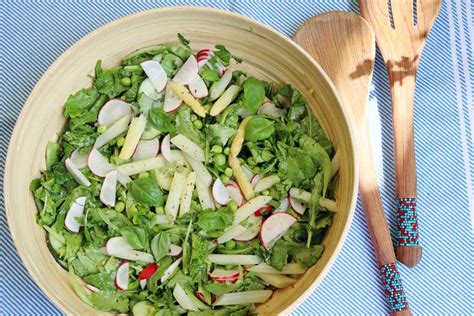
(392, 285)
(407, 233)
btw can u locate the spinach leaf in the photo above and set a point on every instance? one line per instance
(279, 254)
(307, 256)
(319, 156)
(107, 301)
(221, 288)
(101, 280)
(254, 94)
(160, 120)
(185, 126)
(147, 191)
(160, 245)
(135, 237)
(224, 55)
(209, 74)
(79, 103)
(259, 128)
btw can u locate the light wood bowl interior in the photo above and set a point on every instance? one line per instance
(266, 54)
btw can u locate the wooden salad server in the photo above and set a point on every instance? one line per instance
(343, 43)
(401, 34)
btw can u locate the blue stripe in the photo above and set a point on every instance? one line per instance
(34, 33)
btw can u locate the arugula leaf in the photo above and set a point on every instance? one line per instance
(135, 236)
(160, 120)
(221, 288)
(307, 256)
(147, 191)
(279, 255)
(160, 245)
(185, 126)
(183, 40)
(224, 55)
(200, 250)
(259, 128)
(79, 103)
(108, 82)
(254, 94)
(170, 63)
(220, 133)
(101, 280)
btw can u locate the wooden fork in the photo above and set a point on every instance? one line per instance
(401, 34)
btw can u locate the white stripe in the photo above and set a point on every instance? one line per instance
(462, 124)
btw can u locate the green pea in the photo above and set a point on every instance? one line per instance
(207, 107)
(265, 192)
(101, 129)
(251, 161)
(220, 159)
(132, 210)
(126, 81)
(216, 149)
(119, 206)
(160, 210)
(225, 179)
(228, 172)
(226, 151)
(193, 117)
(198, 124)
(120, 141)
(135, 78)
(232, 205)
(230, 244)
(143, 175)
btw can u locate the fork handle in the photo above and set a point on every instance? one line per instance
(402, 86)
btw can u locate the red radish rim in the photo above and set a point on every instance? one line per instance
(148, 271)
(254, 180)
(264, 210)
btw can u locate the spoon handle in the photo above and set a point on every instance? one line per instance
(402, 86)
(377, 224)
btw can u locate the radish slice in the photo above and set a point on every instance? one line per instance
(266, 183)
(283, 208)
(276, 280)
(135, 131)
(175, 250)
(289, 268)
(146, 149)
(219, 87)
(172, 101)
(264, 210)
(183, 299)
(171, 269)
(166, 147)
(231, 233)
(107, 192)
(249, 174)
(298, 194)
(250, 208)
(188, 147)
(92, 288)
(119, 248)
(248, 297)
(221, 275)
(142, 284)
(274, 227)
(148, 89)
(76, 173)
(255, 179)
(114, 131)
(204, 52)
(112, 111)
(234, 259)
(79, 159)
(75, 211)
(121, 280)
(148, 271)
(298, 207)
(221, 68)
(269, 109)
(235, 193)
(252, 229)
(156, 73)
(98, 164)
(198, 87)
(187, 72)
(220, 192)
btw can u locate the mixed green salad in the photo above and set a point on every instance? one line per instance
(183, 185)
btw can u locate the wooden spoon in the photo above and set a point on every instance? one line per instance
(401, 46)
(343, 43)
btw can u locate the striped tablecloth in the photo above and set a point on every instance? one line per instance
(34, 33)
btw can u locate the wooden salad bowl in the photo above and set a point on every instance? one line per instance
(267, 55)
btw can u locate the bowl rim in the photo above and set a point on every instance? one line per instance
(202, 9)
